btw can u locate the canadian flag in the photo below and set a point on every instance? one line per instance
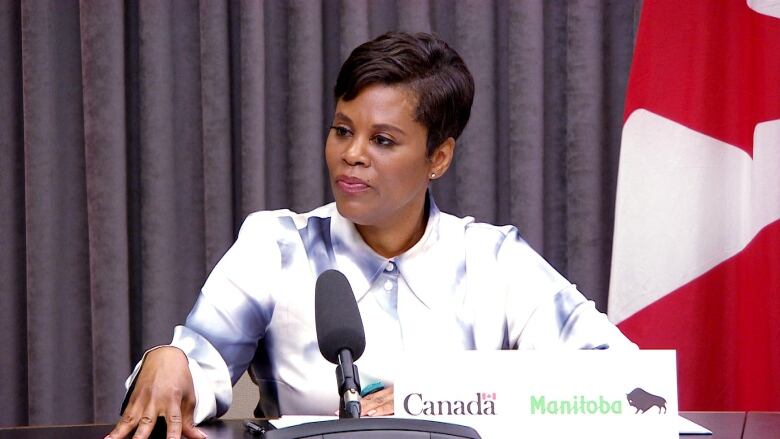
(696, 257)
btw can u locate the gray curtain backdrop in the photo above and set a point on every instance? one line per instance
(135, 136)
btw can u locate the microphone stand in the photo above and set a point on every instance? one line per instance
(349, 385)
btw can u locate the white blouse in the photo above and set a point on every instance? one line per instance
(464, 285)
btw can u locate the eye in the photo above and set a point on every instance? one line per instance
(382, 140)
(341, 131)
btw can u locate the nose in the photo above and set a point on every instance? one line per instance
(356, 153)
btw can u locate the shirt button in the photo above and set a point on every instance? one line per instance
(388, 285)
(389, 266)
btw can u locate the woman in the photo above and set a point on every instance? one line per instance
(423, 279)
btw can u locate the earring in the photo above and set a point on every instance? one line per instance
(433, 175)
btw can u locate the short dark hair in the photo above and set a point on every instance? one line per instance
(428, 66)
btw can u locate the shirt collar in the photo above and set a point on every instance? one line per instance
(428, 267)
(359, 263)
(431, 267)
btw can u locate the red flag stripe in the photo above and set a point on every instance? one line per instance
(715, 69)
(725, 326)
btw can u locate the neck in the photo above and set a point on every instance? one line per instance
(392, 240)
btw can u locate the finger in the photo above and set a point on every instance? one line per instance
(193, 432)
(381, 403)
(379, 397)
(386, 409)
(377, 403)
(366, 404)
(125, 426)
(145, 424)
(188, 426)
(173, 420)
(189, 429)
(372, 403)
(383, 409)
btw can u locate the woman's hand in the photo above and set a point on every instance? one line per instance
(378, 403)
(162, 388)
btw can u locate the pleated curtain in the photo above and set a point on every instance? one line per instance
(136, 136)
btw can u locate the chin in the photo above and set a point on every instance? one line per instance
(356, 212)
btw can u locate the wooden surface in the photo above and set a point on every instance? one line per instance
(762, 425)
(725, 425)
(232, 429)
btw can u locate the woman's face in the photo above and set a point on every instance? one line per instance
(376, 155)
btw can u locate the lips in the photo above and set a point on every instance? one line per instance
(351, 185)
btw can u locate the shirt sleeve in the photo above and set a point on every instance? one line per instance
(546, 311)
(232, 313)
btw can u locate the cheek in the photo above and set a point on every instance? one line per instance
(331, 155)
(407, 175)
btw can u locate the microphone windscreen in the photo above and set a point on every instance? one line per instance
(337, 317)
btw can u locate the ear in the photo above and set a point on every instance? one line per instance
(441, 158)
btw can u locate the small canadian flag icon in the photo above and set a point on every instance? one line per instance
(489, 396)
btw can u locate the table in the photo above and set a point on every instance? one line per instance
(761, 425)
(724, 425)
(232, 429)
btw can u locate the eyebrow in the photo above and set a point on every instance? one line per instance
(379, 126)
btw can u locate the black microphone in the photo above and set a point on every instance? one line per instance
(340, 336)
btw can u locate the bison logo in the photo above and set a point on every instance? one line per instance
(643, 401)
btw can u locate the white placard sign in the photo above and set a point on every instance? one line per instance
(543, 394)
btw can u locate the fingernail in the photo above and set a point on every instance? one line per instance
(202, 433)
(371, 412)
(108, 436)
